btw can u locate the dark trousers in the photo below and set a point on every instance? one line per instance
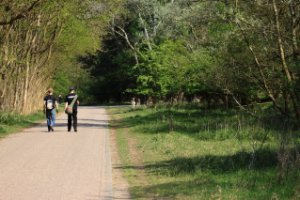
(72, 119)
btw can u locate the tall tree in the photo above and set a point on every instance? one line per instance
(31, 54)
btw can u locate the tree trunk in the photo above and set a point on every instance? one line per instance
(285, 68)
(25, 89)
(145, 32)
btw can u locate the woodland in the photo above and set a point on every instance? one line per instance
(218, 54)
(221, 52)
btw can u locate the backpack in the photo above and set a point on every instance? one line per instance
(49, 104)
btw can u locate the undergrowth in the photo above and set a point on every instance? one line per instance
(11, 122)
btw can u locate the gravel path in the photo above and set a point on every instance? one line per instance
(60, 165)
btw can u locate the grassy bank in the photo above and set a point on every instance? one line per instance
(11, 123)
(190, 153)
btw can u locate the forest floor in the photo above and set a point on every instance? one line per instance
(36, 164)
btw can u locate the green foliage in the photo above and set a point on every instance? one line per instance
(200, 48)
(12, 122)
(61, 82)
(85, 24)
(170, 68)
(76, 38)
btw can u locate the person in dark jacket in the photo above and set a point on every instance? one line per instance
(72, 117)
(50, 109)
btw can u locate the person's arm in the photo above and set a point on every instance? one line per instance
(66, 103)
(56, 106)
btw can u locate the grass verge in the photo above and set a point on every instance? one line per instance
(12, 123)
(189, 153)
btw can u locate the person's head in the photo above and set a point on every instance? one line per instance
(50, 91)
(72, 89)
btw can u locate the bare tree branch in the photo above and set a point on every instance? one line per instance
(21, 14)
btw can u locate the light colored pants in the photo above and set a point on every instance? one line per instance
(51, 115)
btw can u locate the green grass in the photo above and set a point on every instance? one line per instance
(12, 123)
(190, 153)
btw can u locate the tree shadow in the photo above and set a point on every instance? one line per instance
(192, 122)
(206, 124)
(208, 188)
(92, 125)
(162, 116)
(78, 124)
(207, 173)
(262, 159)
(170, 190)
(93, 120)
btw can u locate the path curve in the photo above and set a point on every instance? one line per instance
(60, 165)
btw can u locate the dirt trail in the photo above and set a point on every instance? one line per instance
(60, 165)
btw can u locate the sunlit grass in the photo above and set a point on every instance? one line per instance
(11, 123)
(189, 153)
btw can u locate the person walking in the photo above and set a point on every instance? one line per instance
(49, 109)
(71, 108)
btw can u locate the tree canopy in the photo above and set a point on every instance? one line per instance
(221, 52)
(40, 42)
